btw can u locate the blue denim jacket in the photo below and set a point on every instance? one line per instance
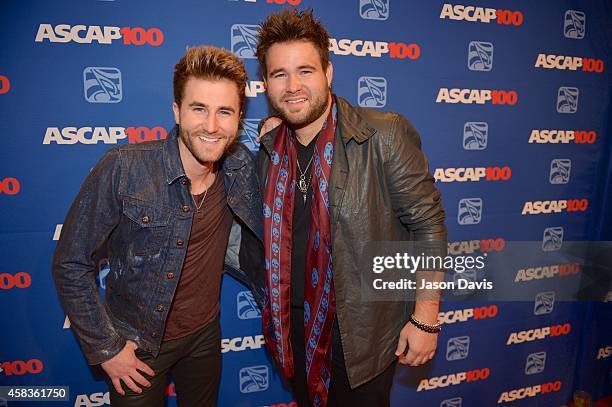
(136, 205)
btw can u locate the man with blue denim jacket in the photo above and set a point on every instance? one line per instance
(163, 211)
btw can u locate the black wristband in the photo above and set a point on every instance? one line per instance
(432, 329)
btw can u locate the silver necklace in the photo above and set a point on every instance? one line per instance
(302, 184)
(198, 207)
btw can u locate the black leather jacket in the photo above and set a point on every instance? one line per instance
(380, 190)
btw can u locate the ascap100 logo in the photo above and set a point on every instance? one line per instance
(20, 367)
(102, 84)
(372, 91)
(604, 353)
(374, 49)
(546, 271)
(574, 24)
(531, 391)
(253, 379)
(570, 63)
(87, 34)
(254, 88)
(480, 56)
(476, 14)
(242, 343)
(472, 246)
(475, 135)
(374, 9)
(469, 211)
(463, 315)
(535, 363)
(544, 303)
(477, 96)
(560, 169)
(454, 379)
(567, 99)
(105, 135)
(5, 84)
(9, 186)
(555, 206)
(463, 174)
(20, 279)
(546, 136)
(538, 333)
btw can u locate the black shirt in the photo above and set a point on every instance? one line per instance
(301, 224)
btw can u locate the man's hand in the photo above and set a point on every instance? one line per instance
(271, 123)
(123, 367)
(421, 345)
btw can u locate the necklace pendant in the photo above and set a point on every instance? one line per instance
(304, 196)
(302, 185)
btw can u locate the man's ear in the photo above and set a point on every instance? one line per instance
(329, 73)
(175, 109)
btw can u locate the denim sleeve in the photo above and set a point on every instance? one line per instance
(92, 217)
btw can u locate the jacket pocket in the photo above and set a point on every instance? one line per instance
(149, 227)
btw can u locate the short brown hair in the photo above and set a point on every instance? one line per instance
(206, 62)
(292, 25)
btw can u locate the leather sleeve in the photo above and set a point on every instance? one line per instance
(415, 199)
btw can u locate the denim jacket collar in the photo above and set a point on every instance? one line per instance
(172, 158)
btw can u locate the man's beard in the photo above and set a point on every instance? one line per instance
(317, 109)
(190, 138)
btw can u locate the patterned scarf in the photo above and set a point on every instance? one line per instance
(319, 304)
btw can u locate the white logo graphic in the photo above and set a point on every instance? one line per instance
(560, 169)
(535, 363)
(457, 348)
(567, 100)
(544, 303)
(574, 24)
(374, 9)
(475, 135)
(253, 379)
(244, 40)
(372, 91)
(552, 239)
(246, 307)
(102, 85)
(470, 211)
(480, 56)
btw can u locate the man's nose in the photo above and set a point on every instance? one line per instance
(294, 84)
(212, 124)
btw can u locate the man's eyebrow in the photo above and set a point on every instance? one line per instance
(308, 66)
(200, 104)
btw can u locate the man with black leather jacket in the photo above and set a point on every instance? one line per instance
(334, 177)
(164, 211)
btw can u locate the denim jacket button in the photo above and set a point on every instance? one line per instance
(159, 308)
(184, 181)
(170, 275)
(180, 242)
(146, 219)
(153, 334)
(186, 208)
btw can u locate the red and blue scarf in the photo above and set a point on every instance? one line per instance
(319, 298)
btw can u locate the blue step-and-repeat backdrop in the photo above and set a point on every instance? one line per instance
(512, 101)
